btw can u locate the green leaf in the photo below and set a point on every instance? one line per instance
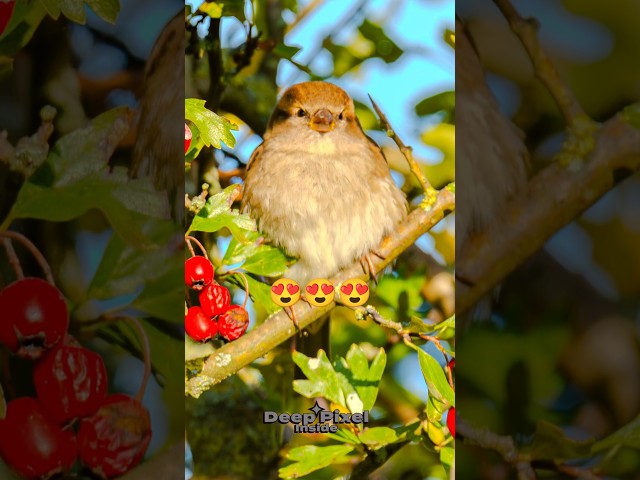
(435, 379)
(259, 292)
(267, 261)
(441, 102)
(322, 380)
(310, 458)
(435, 409)
(217, 214)
(107, 10)
(213, 128)
(212, 9)
(551, 443)
(365, 378)
(76, 178)
(285, 51)
(385, 48)
(378, 437)
(627, 436)
(256, 257)
(447, 458)
(344, 435)
(74, 9)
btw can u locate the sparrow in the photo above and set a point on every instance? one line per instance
(158, 152)
(317, 186)
(491, 162)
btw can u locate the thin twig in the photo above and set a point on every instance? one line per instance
(190, 239)
(502, 444)
(13, 258)
(405, 150)
(144, 348)
(526, 30)
(46, 268)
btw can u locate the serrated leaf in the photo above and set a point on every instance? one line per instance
(76, 177)
(310, 458)
(378, 437)
(628, 436)
(73, 10)
(322, 380)
(435, 379)
(344, 435)
(213, 128)
(363, 377)
(267, 261)
(217, 214)
(551, 443)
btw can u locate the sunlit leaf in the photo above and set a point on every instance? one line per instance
(435, 378)
(310, 458)
(213, 128)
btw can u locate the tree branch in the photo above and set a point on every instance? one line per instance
(552, 199)
(278, 328)
(526, 30)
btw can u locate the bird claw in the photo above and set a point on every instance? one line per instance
(367, 265)
(291, 313)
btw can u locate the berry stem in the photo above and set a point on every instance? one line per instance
(194, 239)
(146, 352)
(46, 268)
(246, 286)
(13, 258)
(193, 254)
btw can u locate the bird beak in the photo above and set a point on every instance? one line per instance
(322, 121)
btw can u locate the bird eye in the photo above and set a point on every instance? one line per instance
(301, 112)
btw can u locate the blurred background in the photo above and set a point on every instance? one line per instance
(561, 343)
(106, 238)
(397, 52)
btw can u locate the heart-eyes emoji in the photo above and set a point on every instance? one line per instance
(285, 292)
(354, 292)
(319, 292)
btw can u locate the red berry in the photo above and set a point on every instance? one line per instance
(452, 363)
(214, 300)
(233, 323)
(32, 444)
(198, 272)
(114, 439)
(34, 317)
(187, 137)
(71, 381)
(451, 421)
(199, 326)
(6, 11)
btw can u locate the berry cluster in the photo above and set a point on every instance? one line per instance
(214, 315)
(71, 417)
